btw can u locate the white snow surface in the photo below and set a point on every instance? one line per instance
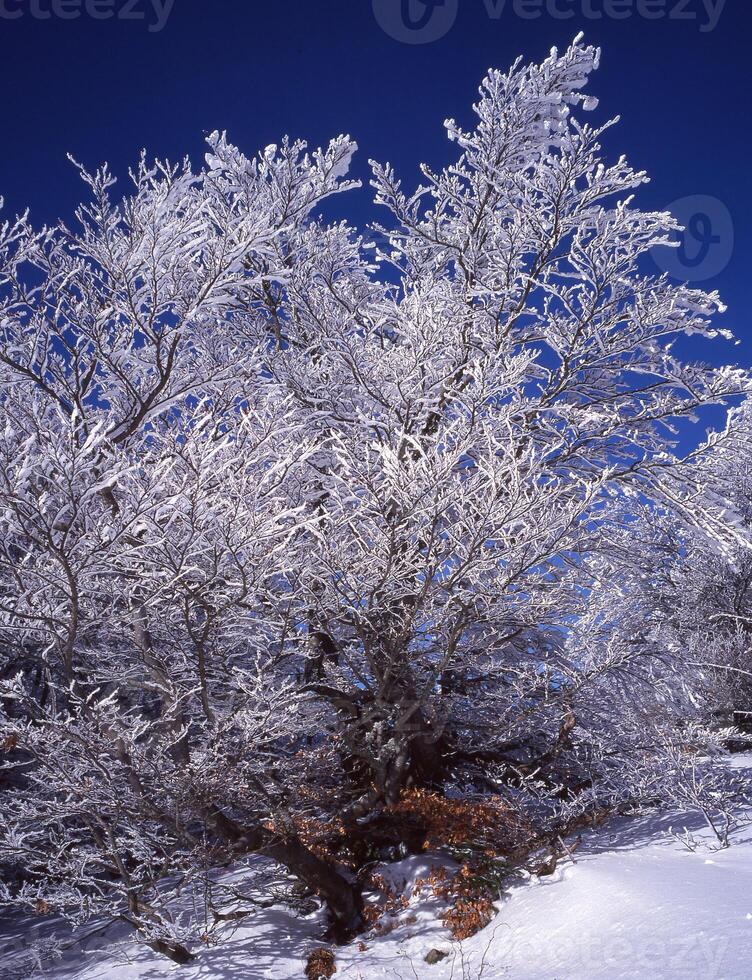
(634, 904)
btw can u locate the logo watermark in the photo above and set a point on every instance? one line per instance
(426, 21)
(416, 21)
(154, 14)
(705, 246)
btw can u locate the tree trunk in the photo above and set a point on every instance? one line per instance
(174, 951)
(342, 897)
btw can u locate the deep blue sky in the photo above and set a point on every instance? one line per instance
(102, 89)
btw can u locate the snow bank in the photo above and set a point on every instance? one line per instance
(636, 904)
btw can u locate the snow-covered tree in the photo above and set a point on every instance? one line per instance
(293, 522)
(706, 596)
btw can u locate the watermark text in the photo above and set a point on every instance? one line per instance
(154, 14)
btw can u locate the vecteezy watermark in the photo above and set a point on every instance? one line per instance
(705, 247)
(706, 13)
(424, 21)
(153, 13)
(416, 21)
(692, 955)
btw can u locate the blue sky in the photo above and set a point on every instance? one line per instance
(102, 78)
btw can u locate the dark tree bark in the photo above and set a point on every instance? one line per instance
(174, 951)
(342, 897)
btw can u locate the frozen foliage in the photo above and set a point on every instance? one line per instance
(291, 523)
(709, 597)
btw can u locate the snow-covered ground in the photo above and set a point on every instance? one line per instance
(636, 904)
